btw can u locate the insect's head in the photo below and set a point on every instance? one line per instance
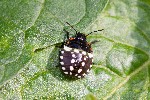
(80, 36)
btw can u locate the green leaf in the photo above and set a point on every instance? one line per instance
(30, 31)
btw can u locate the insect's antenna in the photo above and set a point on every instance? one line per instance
(94, 31)
(72, 27)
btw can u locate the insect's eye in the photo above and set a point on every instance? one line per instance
(80, 38)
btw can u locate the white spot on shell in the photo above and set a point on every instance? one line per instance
(83, 74)
(72, 61)
(88, 70)
(79, 76)
(79, 71)
(71, 68)
(66, 72)
(83, 52)
(63, 68)
(83, 63)
(62, 63)
(61, 57)
(73, 55)
(76, 74)
(70, 73)
(79, 58)
(62, 52)
(67, 48)
(75, 50)
(90, 65)
(90, 55)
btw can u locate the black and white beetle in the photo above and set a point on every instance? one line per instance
(76, 55)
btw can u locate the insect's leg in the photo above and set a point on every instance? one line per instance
(67, 33)
(94, 41)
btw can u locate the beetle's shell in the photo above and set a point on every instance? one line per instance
(75, 62)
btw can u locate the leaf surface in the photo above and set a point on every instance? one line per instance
(30, 32)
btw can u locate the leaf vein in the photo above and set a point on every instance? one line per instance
(126, 80)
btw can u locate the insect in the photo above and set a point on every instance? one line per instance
(76, 56)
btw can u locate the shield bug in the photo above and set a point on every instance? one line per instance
(76, 55)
